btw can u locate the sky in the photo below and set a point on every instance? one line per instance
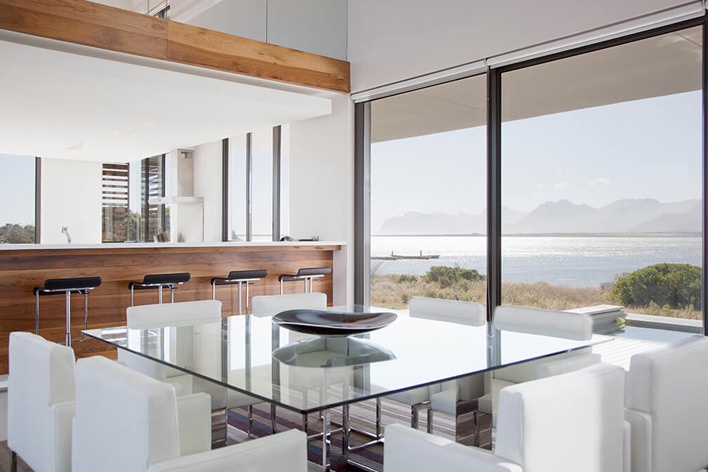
(647, 148)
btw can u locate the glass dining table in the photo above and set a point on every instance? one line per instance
(306, 373)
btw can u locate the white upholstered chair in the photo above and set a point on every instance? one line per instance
(128, 421)
(667, 407)
(443, 397)
(573, 421)
(268, 305)
(186, 313)
(560, 324)
(155, 316)
(40, 402)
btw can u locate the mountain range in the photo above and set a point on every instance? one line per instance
(623, 216)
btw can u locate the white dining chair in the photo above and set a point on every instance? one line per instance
(561, 324)
(188, 315)
(569, 422)
(268, 305)
(443, 397)
(667, 407)
(160, 315)
(40, 403)
(127, 421)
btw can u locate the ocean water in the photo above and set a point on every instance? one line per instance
(568, 261)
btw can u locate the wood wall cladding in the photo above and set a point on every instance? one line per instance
(115, 29)
(21, 270)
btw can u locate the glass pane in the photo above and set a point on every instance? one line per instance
(262, 162)
(428, 194)
(602, 180)
(17, 194)
(285, 180)
(237, 187)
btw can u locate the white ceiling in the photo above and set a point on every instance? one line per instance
(653, 67)
(61, 104)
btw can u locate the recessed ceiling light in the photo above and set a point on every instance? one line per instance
(77, 147)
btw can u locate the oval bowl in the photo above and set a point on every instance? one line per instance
(332, 323)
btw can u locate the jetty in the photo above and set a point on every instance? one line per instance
(395, 257)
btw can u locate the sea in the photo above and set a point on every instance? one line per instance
(573, 261)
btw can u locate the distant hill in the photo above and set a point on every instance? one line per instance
(622, 216)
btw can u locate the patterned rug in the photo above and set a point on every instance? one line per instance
(362, 417)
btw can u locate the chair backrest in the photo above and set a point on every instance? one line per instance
(670, 385)
(41, 376)
(154, 279)
(152, 316)
(548, 323)
(313, 271)
(124, 420)
(561, 324)
(454, 311)
(573, 421)
(272, 304)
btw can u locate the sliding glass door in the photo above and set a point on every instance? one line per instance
(428, 187)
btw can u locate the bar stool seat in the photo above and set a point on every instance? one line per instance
(159, 282)
(238, 277)
(306, 274)
(77, 285)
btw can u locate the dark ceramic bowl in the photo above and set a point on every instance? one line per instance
(332, 323)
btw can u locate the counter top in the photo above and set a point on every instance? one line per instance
(235, 244)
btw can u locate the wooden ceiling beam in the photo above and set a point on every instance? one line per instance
(114, 29)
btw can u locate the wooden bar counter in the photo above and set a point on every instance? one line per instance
(24, 267)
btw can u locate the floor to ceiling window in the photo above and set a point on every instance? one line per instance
(601, 179)
(428, 194)
(249, 193)
(17, 194)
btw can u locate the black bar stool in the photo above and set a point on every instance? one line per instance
(158, 281)
(239, 277)
(79, 285)
(306, 274)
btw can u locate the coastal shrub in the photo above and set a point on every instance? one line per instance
(661, 285)
(405, 298)
(448, 276)
(406, 278)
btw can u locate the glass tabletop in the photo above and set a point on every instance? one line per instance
(305, 373)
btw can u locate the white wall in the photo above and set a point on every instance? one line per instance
(70, 196)
(395, 40)
(207, 184)
(322, 186)
(316, 26)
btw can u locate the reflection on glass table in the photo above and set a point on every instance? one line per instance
(238, 353)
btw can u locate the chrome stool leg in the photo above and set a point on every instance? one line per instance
(36, 315)
(239, 297)
(67, 337)
(172, 293)
(86, 309)
(132, 296)
(246, 296)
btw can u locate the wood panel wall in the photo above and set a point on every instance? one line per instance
(115, 29)
(21, 270)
